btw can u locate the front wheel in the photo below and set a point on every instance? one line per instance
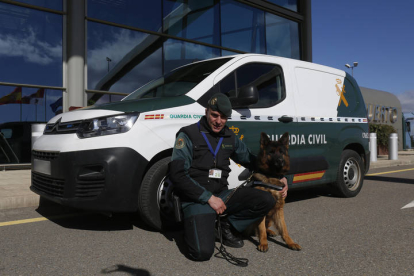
(350, 175)
(154, 205)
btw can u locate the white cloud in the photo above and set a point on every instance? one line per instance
(30, 48)
(407, 101)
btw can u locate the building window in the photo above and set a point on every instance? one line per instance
(49, 4)
(30, 46)
(178, 82)
(121, 60)
(178, 53)
(288, 4)
(193, 19)
(10, 98)
(242, 27)
(142, 14)
(29, 104)
(282, 37)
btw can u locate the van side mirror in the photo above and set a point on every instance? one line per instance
(247, 95)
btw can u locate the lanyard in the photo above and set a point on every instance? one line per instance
(213, 152)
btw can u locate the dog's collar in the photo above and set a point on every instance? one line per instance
(255, 183)
(280, 176)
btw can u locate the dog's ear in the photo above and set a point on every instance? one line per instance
(264, 140)
(285, 139)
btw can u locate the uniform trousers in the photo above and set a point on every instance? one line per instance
(246, 206)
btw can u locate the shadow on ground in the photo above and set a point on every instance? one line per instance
(125, 269)
(299, 194)
(390, 179)
(78, 219)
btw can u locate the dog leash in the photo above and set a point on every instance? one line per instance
(243, 262)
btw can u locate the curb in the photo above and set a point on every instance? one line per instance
(19, 202)
(15, 191)
(383, 162)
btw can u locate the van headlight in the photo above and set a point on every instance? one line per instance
(106, 125)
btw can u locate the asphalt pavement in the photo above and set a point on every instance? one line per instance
(370, 234)
(15, 183)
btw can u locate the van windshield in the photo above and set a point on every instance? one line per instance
(177, 82)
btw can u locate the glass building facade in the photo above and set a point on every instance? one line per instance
(126, 43)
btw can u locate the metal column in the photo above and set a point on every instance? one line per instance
(393, 146)
(75, 70)
(373, 146)
(306, 36)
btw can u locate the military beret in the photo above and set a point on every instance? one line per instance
(220, 102)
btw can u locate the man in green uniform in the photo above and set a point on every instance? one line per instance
(199, 170)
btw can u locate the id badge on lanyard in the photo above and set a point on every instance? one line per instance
(212, 173)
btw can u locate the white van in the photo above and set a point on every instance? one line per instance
(113, 157)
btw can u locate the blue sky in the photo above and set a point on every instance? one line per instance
(378, 34)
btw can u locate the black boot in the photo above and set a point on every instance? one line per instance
(229, 239)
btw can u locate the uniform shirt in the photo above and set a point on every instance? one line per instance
(192, 160)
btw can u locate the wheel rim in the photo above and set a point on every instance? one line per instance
(163, 194)
(352, 174)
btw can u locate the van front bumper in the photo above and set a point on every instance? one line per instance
(106, 180)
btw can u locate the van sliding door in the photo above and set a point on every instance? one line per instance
(274, 113)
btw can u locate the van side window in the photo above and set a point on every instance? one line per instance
(228, 86)
(267, 78)
(6, 132)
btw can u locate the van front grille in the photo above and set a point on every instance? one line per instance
(62, 128)
(89, 188)
(45, 155)
(48, 185)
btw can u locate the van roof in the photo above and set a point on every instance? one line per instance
(293, 62)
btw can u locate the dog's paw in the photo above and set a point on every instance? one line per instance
(271, 233)
(295, 246)
(263, 247)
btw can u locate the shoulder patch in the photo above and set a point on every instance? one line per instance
(179, 144)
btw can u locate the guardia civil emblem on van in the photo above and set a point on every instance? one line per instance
(341, 92)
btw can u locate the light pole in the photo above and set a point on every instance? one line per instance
(352, 67)
(108, 60)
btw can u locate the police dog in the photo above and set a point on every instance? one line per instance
(272, 164)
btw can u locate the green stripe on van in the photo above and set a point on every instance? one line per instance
(145, 105)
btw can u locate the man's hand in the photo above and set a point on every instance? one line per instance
(285, 188)
(217, 204)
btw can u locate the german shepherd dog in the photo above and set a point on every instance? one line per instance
(272, 164)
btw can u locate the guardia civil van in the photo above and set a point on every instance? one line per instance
(113, 157)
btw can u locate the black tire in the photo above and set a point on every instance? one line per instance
(350, 175)
(152, 204)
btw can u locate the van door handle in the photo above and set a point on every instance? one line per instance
(285, 119)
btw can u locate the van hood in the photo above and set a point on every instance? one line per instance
(139, 105)
(145, 105)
